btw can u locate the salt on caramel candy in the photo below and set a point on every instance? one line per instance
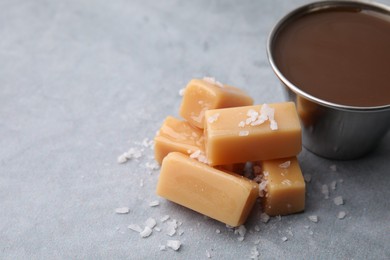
(252, 133)
(284, 187)
(203, 94)
(223, 196)
(177, 136)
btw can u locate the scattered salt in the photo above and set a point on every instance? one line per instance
(333, 185)
(338, 200)
(341, 215)
(213, 118)
(241, 231)
(162, 247)
(325, 191)
(208, 254)
(122, 158)
(313, 218)
(154, 203)
(146, 232)
(181, 92)
(254, 253)
(285, 165)
(241, 124)
(264, 217)
(286, 182)
(273, 125)
(150, 222)
(165, 218)
(153, 166)
(263, 187)
(213, 81)
(135, 228)
(122, 210)
(174, 244)
(157, 229)
(243, 133)
(284, 239)
(217, 231)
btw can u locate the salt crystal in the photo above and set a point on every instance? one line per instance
(154, 203)
(122, 210)
(241, 124)
(338, 200)
(243, 133)
(273, 125)
(213, 81)
(162, 247)
(254, 253)
(286, 182)
(341, 215)
(213, 118)
(208, 254)
(152, 166)
(174, 244)
(135, 228)
(264, 217)
(141, 182)
(285, 165)
(146, 232)
(181, 92)
(122, 158)
(157, 229)
(150, 222)
(240, 239)
(313, 218)
(165, 218)
(333, 185)
(241, 231)
(325, 191)
(284, 239)
(217, 231)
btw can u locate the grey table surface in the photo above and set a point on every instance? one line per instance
(81, 82)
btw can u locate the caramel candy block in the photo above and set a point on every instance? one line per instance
(177, 136)
(285, 187)
(226, 197)
(203, 94)
(252, 133)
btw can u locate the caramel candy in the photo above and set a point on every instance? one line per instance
(226, 197)
(177, 136)
(252, 133)
(203, 94)
(285, 187)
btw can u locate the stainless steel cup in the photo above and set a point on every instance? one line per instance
(332, 130)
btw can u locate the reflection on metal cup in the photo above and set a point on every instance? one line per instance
(333, 130)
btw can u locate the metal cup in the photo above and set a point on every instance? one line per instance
(332, 130)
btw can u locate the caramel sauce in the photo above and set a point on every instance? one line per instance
(340, 55)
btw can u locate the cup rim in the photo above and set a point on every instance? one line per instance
(312, 7)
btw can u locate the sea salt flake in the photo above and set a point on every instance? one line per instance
(122, 158)
(313, 218)
(122, 210)
(325, 191)
(338, 200)
(146, 232)
(164, 218)
(243, 133)
(254, 253)
(213, 118)
(273, 125)
(135, 228)
(284, 239)
(151, 223)
(285, 165)
(341, 215)
(241, 231)
(153, 166)
(264, 217)
(181, 92)
(174, 244)
(162, 247)
(333, 185)
(213, 81)
(241, 124)
(217, 231)
(286, 182)
(208, 255)
(154, 203)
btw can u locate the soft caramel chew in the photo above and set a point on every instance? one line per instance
(222, 196)
(177, 136)
(285, 187)
(232, 139)
(201, 95)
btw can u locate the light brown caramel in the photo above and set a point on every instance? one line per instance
(223, 196)
(201, 95)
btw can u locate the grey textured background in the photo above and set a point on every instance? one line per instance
(81, 82)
